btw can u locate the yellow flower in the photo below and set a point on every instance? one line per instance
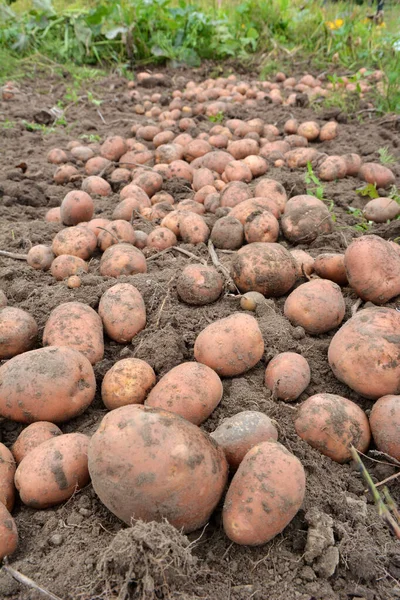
(382, 24)
(337, 24)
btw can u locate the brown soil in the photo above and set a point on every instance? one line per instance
(79, 549)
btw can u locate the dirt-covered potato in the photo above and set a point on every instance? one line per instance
(65, 266)
(287, 376)
(127, 382)
(7, 472)
(331, 266)
(305, 218)
(193, 228)
(123, 312)
(227, 233)
(8, 533)
(199, 284)
(40, 257)
(122, 259)
(76, 241)
(32, 436)
(76, 207)
(304, 263)
(384, 421)
(117, 232)
(381, 210)
(18, 331)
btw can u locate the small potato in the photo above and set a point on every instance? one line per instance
(65, 174)
(161, 238)
(381, 210)
(378, 174)
(296, 141)
(162, 197)
(272, 481)
(56, 156)
(199, 285)
(304, 263)
(242, 148)
(127, 382)
(180, 169)
(309, 129)
(193, 229)
(8, 533)
(75, 241)
(40, 257)
(190, 390)
(353, 162)
(122, 259)
(32, 436)
(261, 226)
(76, 207)
(113, 148)
(96, 185)
(140, 239)
(287, 376)
(195, 149)
(123, 312)
(299, 157)
(53, 215)
(117, 232)
(150, 182)
(97, 225)
(202, 194)
(331, 266)
(74, 282)
(49, 384)
(76, 326)
(329, 131)
(18, 332)
(385, 425)
(7, 472)
(291, 126)
(234, 193)
(238, 434)
(129, 207)
(230, 346)
(258, 165)
(64, 266)
(96, 165)
(250, 301)
(317, 306)
(53, 471)
(245, 208)
(82, 153)
(171, 221)
(237, 170)
(134, 191)
(216, 160)
(333, 167)
(201, 178)
(228, 233)
(331, 424)
(190, 205)
(305, 217)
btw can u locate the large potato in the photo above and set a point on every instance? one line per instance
(122, 259)
(385, 425)
(7, 471)
(191, 390)
(127, 382)
(364, 353)
(266, 492)
(77, 326)
(49, 384)
(305, 218)
(151, 464)
(32, 436)
(230, 346)
(18, 332)
(53, 471)
(75, 241)
(8, 533)
(123, 312)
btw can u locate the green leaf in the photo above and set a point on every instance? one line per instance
(44, 6)
(83, 33)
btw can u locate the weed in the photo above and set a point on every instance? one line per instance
(369, 190)
(313, 185)
(385, 157)
(7, 124)
(91, 137)
(218, 118)
(363, 225)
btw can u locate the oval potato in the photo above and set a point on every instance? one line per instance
(123, 312)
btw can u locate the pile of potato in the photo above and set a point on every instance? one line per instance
(149, 457)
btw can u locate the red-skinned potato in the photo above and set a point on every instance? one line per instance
(65, 174)
(18, 332)
(40, 257)
(161, 238)
(245, 208)
(216, 160)
(127, 382)
(369, 340)
(7, 472)
(377, 174)
(228, 233)
(261, 226)
(191, 390)
(171, 221)
(287, 376)
(122, 259)
(273, 481)
(8, 533)
(113, 148)
(199, 285)
(192, 228)
(309, 129)
(331, 424)
(53, 215)
(234, 193)
(230, 346)
(299, 157)
(117, 232)
(238, 170)
(129, 207)
(381, 210)
(331, 266)
(32, 436)
(328, 131)
(123, 312)
(305, 217)
(238, 434)
(269, 188)
(64, 266)
(53, 471)
(131, 458)
(76, 207)
(317, 306)
(304, 263)
(76, 241)
(384, 421)
(353, 162)
(49, 384)
(78, 326)
(333, 167)
(96, 185)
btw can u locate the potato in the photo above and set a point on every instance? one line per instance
(378, 174)
(150, 182)
(291, 126)
(304, 263)
(271, 481)
(190, 390)
(216, 160)
(56, 156)
(117, 232)
(373, 269)
(190, 205)
(198, 285)
(247, 207)
(31, 437)
(53, 471)
(269, 188)
(305, 218)
(132, 190)
(75, 241)
(381, 210)
(258, 165)
(171, 221)
(113, 148)
(18, 332)
(65, 174)
(384, 421)
(230, 346)
(274, 150)
(96, 185)
(333, 167)
(299, 157)
(369, 340)
(127, 382)
(96, 165)
(266, 268)
(195, 149)
(227, 233)
(150, 464)
(64, 266)
(309, 130)
(76, 326)
(238, 434)
(40, 257)
(128, 207)
(242, 148)
(122, 259)
(53, 215)
(353, 162)
(329, 131)
(76, 207)
(7, 471)
(237, 170)
(296, 141)
(318, 306)
(161, 238)
(331, 424)
(331, 266)
(8, 533)
(193, 229)
(97, 225)
(261, 226)
(287, 376)
(123, 312)
(49, 384)
(234, 193)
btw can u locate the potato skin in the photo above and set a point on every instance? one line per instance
(151, 464)
(7, 472)
(331, 266)
(18, 332)
(287, 376)
(76, 207)
(384, 421)
(369, 340)
(122, 259)
(53, 471)
(331, 423)
(40, 257)
(32, 436)
(123, 312)
(77, 326)
(50, 384)
(8, 533)
(265, 494)
(199, 285)
(305, 217)
(238, 434)
(127, 382)
(230, 346)
(191, 390)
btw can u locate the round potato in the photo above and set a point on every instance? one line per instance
(123, 312)
(384, 421)
(381, 210)
(161, 238)
(287, 376)
(127, 382)
(122, 259)
(76, 207)
(65, 266)
(40, 257)
(32, 436)
(305, 218)
(117, 232)
(331, 266)
(18, 332)
(228, 233)
(304, 263)
(76, 241)
(199, 285)
(261, 226)
(7, 472)
(8, 533)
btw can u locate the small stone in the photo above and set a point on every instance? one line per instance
(56, 539)
(85, 512)
(307, 574)
(74, 519)
(326, 565)
(298, 333)
(359, 507)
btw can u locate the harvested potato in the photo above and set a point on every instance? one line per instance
(53, 215)
(234, 193)
(377, 174)
(269, 188)
(96, 185)
(127, 382)
(117, 232)
(257, 164)
(381, 210)
(305, 218)
(331, 424)
(32, 436)
(161, 238)
(49, 384)
(65, 174)
(238, 434)
(190, 205)
(228, 233)
(40, 257)
(309, 129)
(331, 266)
(193, 229)
(7, 472)
(78, 326)
(8, 533)
(384, 421)
(329, 131)
(122, 259)
(75, 241)
(64, 266)
(238, 170)
(53, 471)
(299, 157)
(199, 285)
(287, 376)
(245, 208)
(261, 226)
(333, 167)
(353, 162)
(272, 481)
(230, 346)
(128, 207)
(304, 263)
(318, 306)
(113, 148)
(149, 181)
(18, 332)
(76, 207)
(123, 312)
(132, 190)
(144, 464)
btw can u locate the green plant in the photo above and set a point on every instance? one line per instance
(218, 118)
(91, 137)
(363, 225)
(369, 190)
(385, 157)
(7, 124)
(313, 185)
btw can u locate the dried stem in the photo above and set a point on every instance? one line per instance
(220, 267)
(29, 582)
(13, 255)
